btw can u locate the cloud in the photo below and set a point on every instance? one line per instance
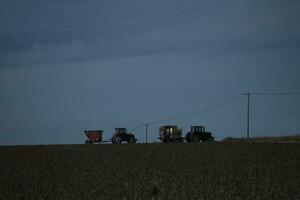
(32, 34)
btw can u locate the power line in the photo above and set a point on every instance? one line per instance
(204, 109)
(135, 128)
(276, 94)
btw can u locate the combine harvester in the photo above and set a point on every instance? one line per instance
(120, 135)
(172, 133)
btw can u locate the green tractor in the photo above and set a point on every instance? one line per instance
(121, 135)
(198, 134)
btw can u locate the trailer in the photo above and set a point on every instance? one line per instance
(170, 133)
(93, 136)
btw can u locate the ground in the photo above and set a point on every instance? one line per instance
(220, 170)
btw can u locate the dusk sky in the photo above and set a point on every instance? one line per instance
(67, 66)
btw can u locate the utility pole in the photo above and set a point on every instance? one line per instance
(248, 114)
(146, 126)
(263, 94)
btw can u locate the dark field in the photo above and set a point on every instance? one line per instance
(153, 171)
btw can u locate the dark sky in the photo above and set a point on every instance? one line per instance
(67, 66)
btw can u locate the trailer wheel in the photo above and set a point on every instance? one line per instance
(178, 140)
(188, 138)
(166, 140)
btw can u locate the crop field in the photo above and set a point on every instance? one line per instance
(221, 170)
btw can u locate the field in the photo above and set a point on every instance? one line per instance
(229, 170)
(291, 138)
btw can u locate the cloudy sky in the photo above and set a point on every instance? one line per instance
(67, 66)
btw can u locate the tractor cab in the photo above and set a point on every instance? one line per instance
(198, 134)
(122, 135)
(120, 131)
(198, 129)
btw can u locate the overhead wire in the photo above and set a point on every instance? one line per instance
(212, 107)
(277, 94)
(198, 111)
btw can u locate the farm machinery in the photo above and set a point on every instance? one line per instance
(167, 134)
(172, 133)
(198, 134)
(93, 136)
(120, 135)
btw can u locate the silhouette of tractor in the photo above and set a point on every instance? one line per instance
(168, 134)
(198, 134)
(121, 135)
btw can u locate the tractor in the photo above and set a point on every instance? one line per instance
(121, 135)
(198, 134)
(171, 133)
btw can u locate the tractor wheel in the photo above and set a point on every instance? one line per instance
(131, 140)
(195, 138)
(117, 139)
(188, 138)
